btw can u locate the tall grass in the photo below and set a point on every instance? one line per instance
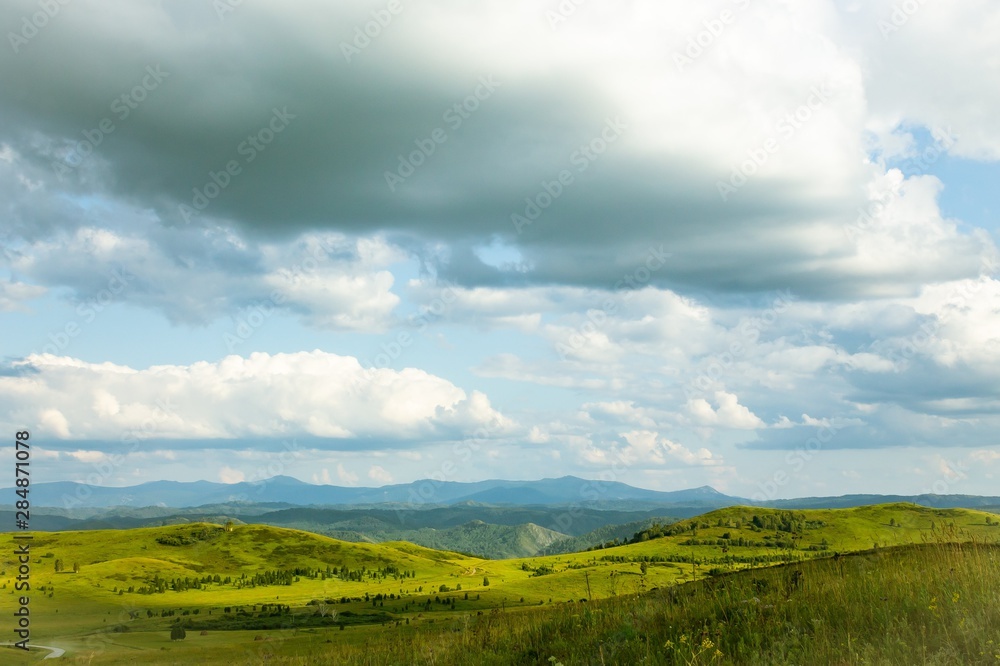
(935, 603)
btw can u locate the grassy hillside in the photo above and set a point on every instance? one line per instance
(257, 580)
(485, 540)
(486, 531)
(609, 534)
(929, 604)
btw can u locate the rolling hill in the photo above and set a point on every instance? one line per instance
(122, 590)
(485, 531)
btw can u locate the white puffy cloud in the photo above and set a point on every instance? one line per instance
(918, 73)
(14, 295)
(311, 394)
(197, 276)
(649, 447)
(378, 474)
(727, 413)
(229, 475)
(985, 457)
(322, 478)
(346, 477)
(87, 456)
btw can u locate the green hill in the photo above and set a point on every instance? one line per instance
(927, 604)
(607, 535)
(133, 585)
(511, 531)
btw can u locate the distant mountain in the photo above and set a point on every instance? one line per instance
(849, 501)
(568, 491)
(565, 490)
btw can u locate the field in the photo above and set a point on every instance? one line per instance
(256, 594)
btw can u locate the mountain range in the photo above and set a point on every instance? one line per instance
(493, 519)
(287, 492)
(427, 492)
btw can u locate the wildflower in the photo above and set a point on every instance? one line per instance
(933, 605)
(955, 597)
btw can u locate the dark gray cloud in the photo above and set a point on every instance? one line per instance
(202, 86)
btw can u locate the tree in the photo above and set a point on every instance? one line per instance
(486, 581)
(177, 633)
(76, 568)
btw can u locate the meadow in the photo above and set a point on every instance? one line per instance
(894, 583)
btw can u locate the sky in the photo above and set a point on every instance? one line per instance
(745, 244)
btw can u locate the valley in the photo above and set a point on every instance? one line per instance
(274, 593)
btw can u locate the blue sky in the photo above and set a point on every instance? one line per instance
(620, 246)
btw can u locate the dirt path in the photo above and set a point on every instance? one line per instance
(54, 651)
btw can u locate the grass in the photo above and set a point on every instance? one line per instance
(934, 604)
(916, 598)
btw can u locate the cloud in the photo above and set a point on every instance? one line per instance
(346, 477)
(197, 276)
(13, 295)
(912, 63)
(728, 413)
(646, 446)
(87, 456)
(985, 457)
(315, 394)
(323, 478)
(378, 474)
(690, 258)
(679, 132)
(230, 475)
